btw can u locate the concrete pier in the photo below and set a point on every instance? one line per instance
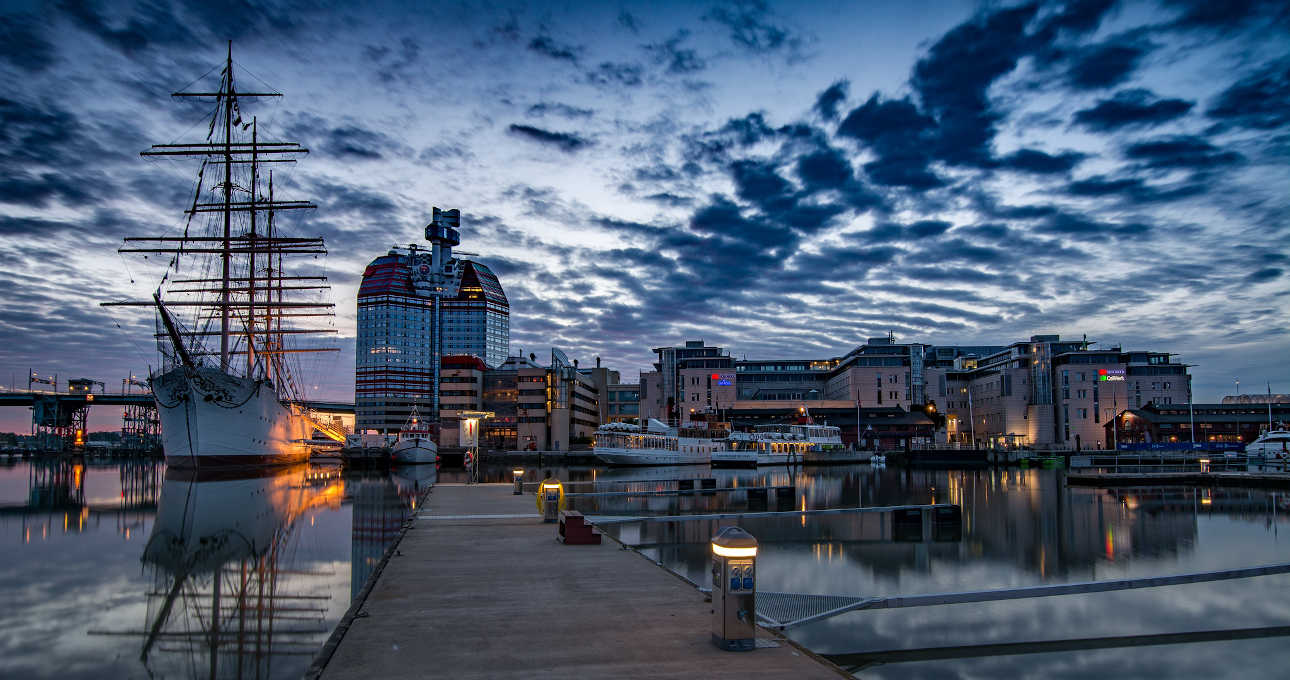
(479, 588)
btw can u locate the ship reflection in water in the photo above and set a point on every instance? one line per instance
(133, 570)
(222, 596)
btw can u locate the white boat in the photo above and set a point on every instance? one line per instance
(236, 403)
(788, 444)
(658, 444)
(415, 444)
(1271, 445)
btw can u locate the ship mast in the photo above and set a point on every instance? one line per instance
(256, 298)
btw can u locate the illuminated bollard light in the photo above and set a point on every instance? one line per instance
(518, 476)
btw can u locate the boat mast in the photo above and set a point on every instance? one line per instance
(227, 97)
(250, 271)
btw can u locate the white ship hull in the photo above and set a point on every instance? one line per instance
(837, 456)
(209, 418)
(624, 456)
(416, 450)
(734, 458)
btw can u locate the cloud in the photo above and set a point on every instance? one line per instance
(900, 135)
(23, 43)
(954, 77)
(675, 59)
(1180, 151)
(1070, 224)
(887, 232)
(541, 109)
(751, 27)
(1265, 274)
(827, 103)
(357, 143)
(1259, 101)
(1131, 108)
(613, 73)
(547, 46)
(1038, 162)
(565, 141)
(1228, 16)
(825, 168)
(1105, 64)
(629, 21)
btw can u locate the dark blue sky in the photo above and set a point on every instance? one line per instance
(783, 179)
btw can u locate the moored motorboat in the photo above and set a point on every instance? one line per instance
(416, 443)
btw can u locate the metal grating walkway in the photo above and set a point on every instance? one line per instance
(779, 610)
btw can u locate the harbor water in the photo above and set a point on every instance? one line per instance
(128, 570)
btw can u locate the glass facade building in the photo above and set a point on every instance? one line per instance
(395, 350)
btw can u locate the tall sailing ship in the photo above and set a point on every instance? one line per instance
(240, 401)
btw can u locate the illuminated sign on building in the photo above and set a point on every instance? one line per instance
(719, 379)
(1110, 375)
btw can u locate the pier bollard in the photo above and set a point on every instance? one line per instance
(517, 475)
(550, 502)
(734, 590)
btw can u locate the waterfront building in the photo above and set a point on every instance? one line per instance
(621, 403)
(692, 379)
(461, 388)
(477, 320)
(1042, 392)
(782, 379)
(416, 304)
(394, 351)
(1171, 423)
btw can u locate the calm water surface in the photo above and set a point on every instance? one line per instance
(1019, 528)
(115, 570)
(132, 571)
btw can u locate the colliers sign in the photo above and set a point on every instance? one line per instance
(1110, 374)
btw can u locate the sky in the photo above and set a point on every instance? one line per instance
(781, 179)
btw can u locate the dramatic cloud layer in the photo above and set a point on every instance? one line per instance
(776, 178)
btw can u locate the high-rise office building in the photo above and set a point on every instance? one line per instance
(477, 320)
(415, 305)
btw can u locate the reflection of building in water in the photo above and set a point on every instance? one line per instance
(1030, 518)
(56, 500)
(224, 603)
(379, 513)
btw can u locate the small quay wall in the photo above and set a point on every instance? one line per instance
(1236, 479)
(480, 588)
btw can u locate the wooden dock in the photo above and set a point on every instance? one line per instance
(480, 588)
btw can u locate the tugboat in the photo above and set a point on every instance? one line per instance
(416, 443)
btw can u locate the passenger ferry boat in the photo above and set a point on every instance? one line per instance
(659, 444)
(785, 444)
(1271, 445)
